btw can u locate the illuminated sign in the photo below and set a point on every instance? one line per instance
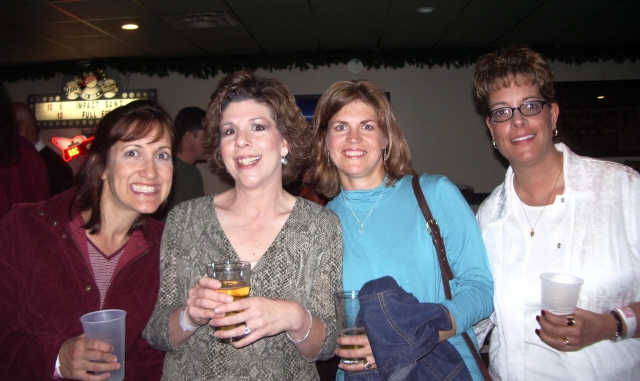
(54, 112)
(75, 147)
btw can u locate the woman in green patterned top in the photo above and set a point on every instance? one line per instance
(257, 134)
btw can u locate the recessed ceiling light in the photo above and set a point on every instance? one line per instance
(130, 26)
(600, 96)
(426, 9)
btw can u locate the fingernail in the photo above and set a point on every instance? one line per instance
(538, 332)
(542, 312)
(538, 318)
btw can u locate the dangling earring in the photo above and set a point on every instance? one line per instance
(328, 158)
(494, 143)
(284, 160)
(555, 132)
(384, 154)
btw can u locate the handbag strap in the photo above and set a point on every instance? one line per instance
(445, 269)
(438, 242)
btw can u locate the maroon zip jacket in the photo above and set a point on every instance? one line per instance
(46, 284)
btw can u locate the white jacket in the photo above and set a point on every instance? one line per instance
(598, 235)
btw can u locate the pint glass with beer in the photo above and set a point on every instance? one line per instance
(235, 278)
(347, 308)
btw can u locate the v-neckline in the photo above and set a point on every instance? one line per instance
(227, 242)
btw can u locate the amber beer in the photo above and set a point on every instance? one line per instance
(239, 290)
(234, 277)
(352, 332)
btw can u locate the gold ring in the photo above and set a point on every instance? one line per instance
(367, 365)
(571, 321)
(566, 343)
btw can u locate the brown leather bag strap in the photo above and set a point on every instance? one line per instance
(434, 231)
(476, 356)
(445, 269)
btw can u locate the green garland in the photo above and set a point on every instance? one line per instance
(208, 67)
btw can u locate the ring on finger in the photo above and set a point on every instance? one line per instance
(566, 343)
(571, 321)
(247, 330)
(367, 365)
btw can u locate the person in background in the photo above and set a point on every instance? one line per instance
(92, 247)
(257, 133)
(59, 173)
(23, 174)
(307, 190)
(555, 212)
(187, 179)
(362, 158)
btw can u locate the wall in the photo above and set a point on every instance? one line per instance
(434, 108)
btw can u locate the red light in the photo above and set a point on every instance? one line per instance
(72, 148)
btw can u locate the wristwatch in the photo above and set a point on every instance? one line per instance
(618, 336)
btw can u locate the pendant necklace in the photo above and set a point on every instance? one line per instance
(545, 205)
(367, 217)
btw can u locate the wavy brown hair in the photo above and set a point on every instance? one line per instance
(324, 176)
(124, 124)
(244, 85)
(518, 65)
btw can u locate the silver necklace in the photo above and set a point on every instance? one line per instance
(367, 217)
(545, 205)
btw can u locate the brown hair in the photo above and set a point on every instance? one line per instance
(324, 176)
(517, 65)
(124, 124)
(243, 85)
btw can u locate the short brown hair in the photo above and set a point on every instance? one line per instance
(324, 176)
(243, 85)
(511, 65)
(124, 124)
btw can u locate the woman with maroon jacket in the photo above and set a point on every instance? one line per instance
(87, 249)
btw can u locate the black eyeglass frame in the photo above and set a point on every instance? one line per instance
(513, 109)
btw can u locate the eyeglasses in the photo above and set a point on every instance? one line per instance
(530, 108)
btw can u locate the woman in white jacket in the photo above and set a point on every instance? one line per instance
(555, 212)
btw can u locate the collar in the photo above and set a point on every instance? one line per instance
(40, 145)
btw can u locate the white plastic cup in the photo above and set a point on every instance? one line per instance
(560, 293)
(108, 326)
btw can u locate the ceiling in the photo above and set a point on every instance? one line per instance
(39, 31)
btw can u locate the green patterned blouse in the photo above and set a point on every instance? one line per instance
(303, 264)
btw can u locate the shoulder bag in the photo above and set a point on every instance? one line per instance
(445, 269)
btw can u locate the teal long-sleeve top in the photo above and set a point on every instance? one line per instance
(394, 241)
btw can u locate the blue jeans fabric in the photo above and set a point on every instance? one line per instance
(403, 334)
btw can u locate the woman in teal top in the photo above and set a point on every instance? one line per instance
(362, 160)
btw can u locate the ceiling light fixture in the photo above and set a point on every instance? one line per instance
(130, 26)
(600, 96)
(355, 66)
(426, 9)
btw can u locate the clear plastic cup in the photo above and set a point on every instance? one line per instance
(108, 326)
(560, 293)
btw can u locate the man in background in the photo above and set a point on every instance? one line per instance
(59, 173)
(23, 174)
(187, 180)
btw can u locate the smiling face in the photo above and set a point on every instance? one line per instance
(251, 145)
(138, 176)
(355, 142)
(523, 139)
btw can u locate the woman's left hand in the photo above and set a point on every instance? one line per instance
(261, 316)
(576, 331)
(365, 352)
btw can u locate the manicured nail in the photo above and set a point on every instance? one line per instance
(538, 332)
(538, 318)
(542, 312)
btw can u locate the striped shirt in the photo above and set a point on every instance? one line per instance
(103, 266)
